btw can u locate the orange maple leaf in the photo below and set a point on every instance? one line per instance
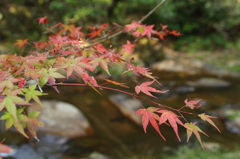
(116, 83)
(20, 42)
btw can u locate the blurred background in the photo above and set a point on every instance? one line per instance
(203, 63)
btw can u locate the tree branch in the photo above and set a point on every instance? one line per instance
(121, 31)
(118, 90)
(153, 10)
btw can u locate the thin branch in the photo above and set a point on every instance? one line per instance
(121, 31)
(153, 10)
(118, 90)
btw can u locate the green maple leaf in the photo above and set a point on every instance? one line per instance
(9, 120)
(53, 73)
(19, 127)
(192, 128)
(43, 81)
(19, 124)
(31, 93)
(33, 121)
(9, 102)
(205, 117)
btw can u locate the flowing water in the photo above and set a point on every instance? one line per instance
(118, 137)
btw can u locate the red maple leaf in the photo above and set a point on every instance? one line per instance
(96, 32)
(140, 70)
(164, 26)
(161, 34)
(174, 32)
(100, 48)
(74, 32)
(5, 148)
(192, 104)
(104, 26)
(132, 26)
(128, 47)
(148, 31)
(172, 119)
(149, 115)
(86, 78)
(145, 89)
(42, 20)
(20, 42)
(56, 25)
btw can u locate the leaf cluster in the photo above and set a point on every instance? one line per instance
(70, 52)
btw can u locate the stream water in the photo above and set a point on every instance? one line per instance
(117, 136)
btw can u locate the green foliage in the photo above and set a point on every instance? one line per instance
(185, 152)
(205, 24)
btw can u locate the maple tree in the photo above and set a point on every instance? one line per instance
(69, 52)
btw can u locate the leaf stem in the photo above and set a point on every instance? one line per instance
(118, 90)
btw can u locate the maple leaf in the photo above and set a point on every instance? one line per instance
(74, 32)
(149, 115)
(128, 47)
(56, 25)
(9, 83)
(192, 104)
(87, 78)
(132, 26)
(52, 72)
(172, 119)
(32, 122)
(164, 26)
(104, 26)
(19, 128)
(78, 65)
(12, 121)
(192, 128)
(102, 63)
(144, 71)
(5, 148)
(97, 32)
(139, 31)
(9, 120)
(116, 83)
(205, 117)
(31, 93)
(10, 101)
(145, 89)
(111, 54)
(100, 48)
(161, 34)
(42, 20)
(20, 42)
(52, 81)
(148, 31)
(174, 32)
